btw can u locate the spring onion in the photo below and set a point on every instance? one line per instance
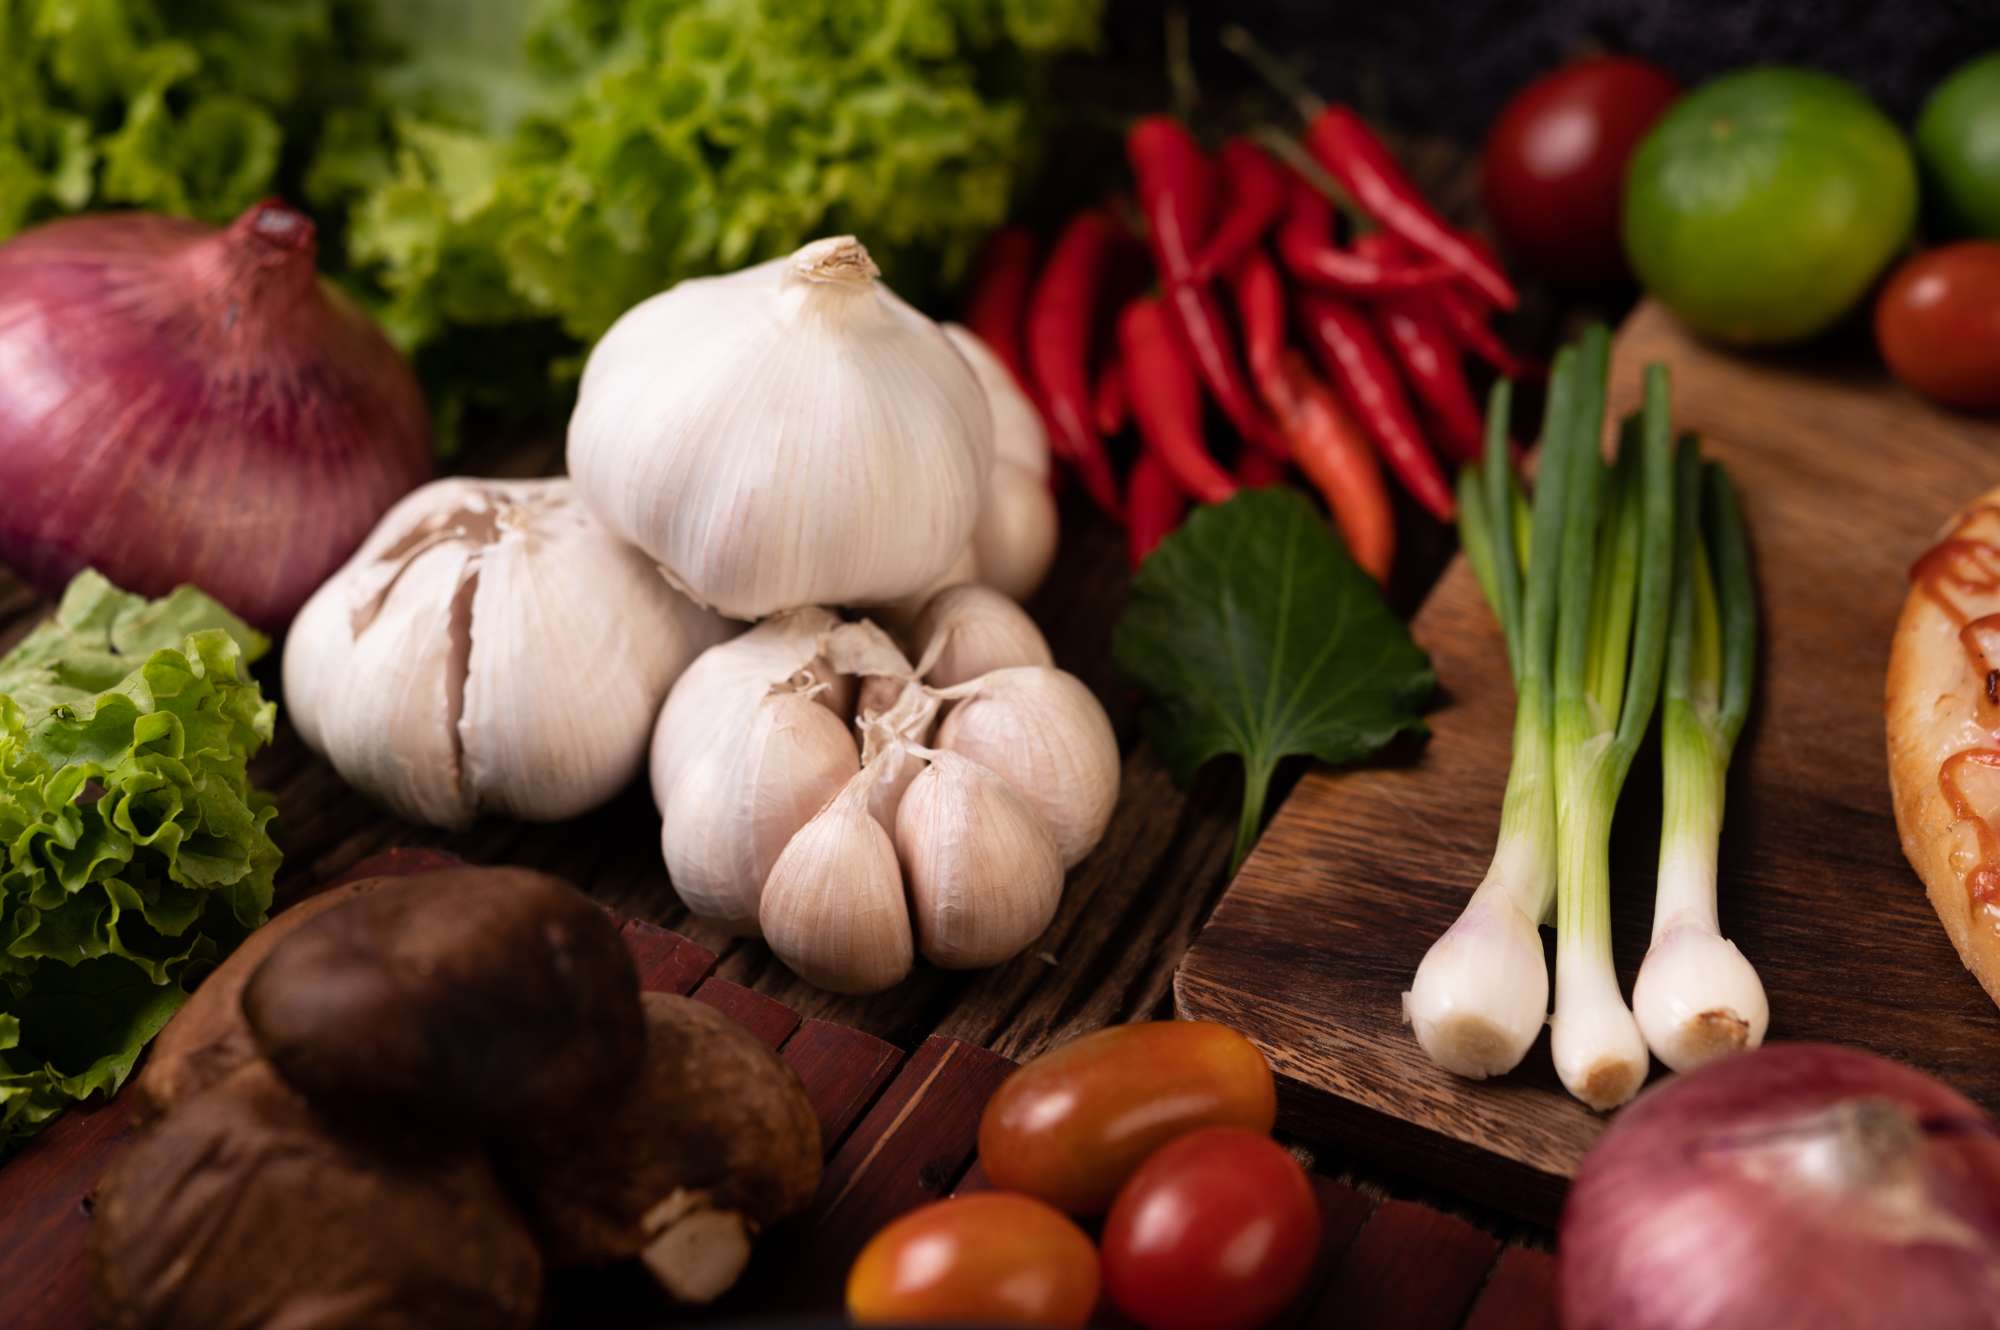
(1697, 997)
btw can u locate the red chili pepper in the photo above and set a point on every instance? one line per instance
(1256, 469)
(1430, 359)
(1062, 314)
(1305, 243)
(1365, 168)
(1254, 188)
(1176, 192)
(1111, 406)
(1154, 506)
(1354, 358)
(1166, 400)
(999, 299)
(1467, 325)
(1259, 294)
(1333, 452)
(1205, 336)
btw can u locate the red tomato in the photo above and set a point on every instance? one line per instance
(1217, 1231)
(1072, 1125)
(991, 1257)
(1938, 324)
(1554, 169)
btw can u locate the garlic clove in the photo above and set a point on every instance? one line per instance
(967, 631)
(900, 614)
(833, 908)
(791, 434)
(1047, 735)
(747, 749)
(983, 872)
(1019, 437)
(1014, 544)
(898, 767)
(489, 648)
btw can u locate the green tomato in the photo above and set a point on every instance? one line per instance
(1958, 140)
(1764, 204)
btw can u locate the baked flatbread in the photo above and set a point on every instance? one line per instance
(1943, 709)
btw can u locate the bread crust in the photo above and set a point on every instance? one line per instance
(1933, 706)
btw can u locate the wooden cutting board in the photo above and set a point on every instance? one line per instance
(1845, 479)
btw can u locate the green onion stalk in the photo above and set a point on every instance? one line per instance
(1618, 569)
(1481, 995)
(1697, 997)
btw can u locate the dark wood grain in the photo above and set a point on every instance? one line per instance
(1342, 1212)
(1409, 1268)
(767, 1018)
(1844, 479)
(843, 1070)
(1520, 1294)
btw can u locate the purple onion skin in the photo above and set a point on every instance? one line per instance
(185, 404)
(1722, 1200)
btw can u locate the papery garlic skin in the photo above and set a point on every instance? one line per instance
(983, 872)
(967, 631)
(752, 742)
(791, 434)
(489, 648)
(1014, 543)
(833, 909)
(1047, 735)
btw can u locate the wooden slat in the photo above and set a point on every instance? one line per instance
(973, 1180)
(843, 1070)
(1342, 1212)
(1409, 1268)
(1520, 1294)
(668, 962)
(767, 1018)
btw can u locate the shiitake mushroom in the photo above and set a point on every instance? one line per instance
(208, 1038)
(494, 1002)
(243, 1209)
(714, 1140)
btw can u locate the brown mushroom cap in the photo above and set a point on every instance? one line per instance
(243, 1209)
(497, 1002)
(208, 1038)
(715, 1125)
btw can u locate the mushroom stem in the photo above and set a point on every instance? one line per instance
(695, 1252)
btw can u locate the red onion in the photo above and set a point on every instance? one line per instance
(1798, 1185)
(182, 404)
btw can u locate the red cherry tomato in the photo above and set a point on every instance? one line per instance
(1938, 324)
(1554, 169)
(990, 1257)
(1072, 1125)
(1217, 1231)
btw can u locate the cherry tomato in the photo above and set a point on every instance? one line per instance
(1217, 1231)
(1072, 1125)
(1938, 324)
(1554, 168)
(990, 1257)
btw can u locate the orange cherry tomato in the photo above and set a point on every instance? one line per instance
(987, 1258)
(1217, 1231)
(1072, 1125)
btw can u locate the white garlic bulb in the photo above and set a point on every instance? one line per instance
(1047, 734)
(791, 434)
(967, 631)
(983, 871)
(489, 648)
(832, 908)
(1014, 543)
(752, 742)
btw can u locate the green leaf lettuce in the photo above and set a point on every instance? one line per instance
(133, 851)
(1253, 633)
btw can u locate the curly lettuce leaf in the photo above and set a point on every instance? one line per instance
(1254, 633)
(133, 851)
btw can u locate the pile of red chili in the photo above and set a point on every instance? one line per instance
(1239, 259)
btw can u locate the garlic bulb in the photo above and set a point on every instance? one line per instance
(1048, 736)
(791, 434)
(752, 742)
(1014, 543)
(983, 871)
(967, 631)
(832, 908)
(489, 648)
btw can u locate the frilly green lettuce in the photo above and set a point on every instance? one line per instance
(133, 852)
